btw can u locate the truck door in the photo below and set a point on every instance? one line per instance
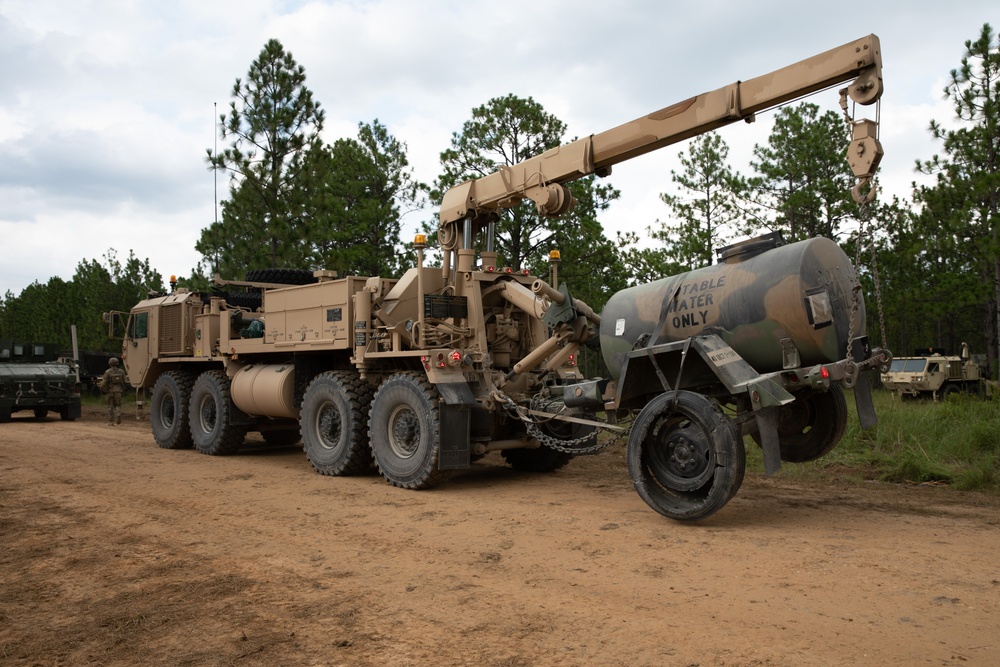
(135, 347)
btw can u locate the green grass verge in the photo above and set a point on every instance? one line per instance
(955, 442)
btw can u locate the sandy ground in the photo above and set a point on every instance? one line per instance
(115, 552)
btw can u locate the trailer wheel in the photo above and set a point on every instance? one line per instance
(810, 427)
(66, 413)
(168, 410)
(687, 460)
(41, 413)
(212, 430)
(334, 423)
(404, 428)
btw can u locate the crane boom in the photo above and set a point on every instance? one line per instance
(542, 178)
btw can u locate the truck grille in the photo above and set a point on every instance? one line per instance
(171, 330)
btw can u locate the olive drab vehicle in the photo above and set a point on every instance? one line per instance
(423, 374)
(31, 380)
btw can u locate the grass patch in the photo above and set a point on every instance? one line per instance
(917, 441)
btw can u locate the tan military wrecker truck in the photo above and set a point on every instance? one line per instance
(423, 374)
(931, 373)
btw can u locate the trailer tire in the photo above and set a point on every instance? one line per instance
(334, 423)
(168, 410)
(41, 413)
(212, 428)
(404, 431)
(66, 413)
(686, 459)
(810, 427)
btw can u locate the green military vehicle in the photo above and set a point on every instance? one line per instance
(30, 380)
(932, 373)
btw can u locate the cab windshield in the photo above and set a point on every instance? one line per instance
(908, 365)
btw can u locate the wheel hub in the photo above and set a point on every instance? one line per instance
(329, 426)
(208, 414)
(684, 459)
(404, 431)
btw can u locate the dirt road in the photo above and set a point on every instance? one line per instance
(115, 552)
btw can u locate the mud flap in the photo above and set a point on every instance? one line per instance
(767, 424)
(863, 388)
(455, 449)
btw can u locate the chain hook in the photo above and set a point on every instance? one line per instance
(864, 198)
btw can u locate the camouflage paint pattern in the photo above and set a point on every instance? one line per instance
(801, 291)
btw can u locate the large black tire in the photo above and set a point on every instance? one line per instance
(334, 423)
(811, 426)
(282, 438)
(686, 461)
(67, 414)
(41, 413)
(281, 276)
(404, 428)
(212, 430)
(168, 410)
(949, 391)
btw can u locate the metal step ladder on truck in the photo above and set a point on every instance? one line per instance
(423, 374)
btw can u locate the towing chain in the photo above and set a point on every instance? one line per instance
(552, 442)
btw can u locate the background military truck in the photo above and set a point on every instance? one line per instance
(932, 373)
(424, 373)
(30, 380)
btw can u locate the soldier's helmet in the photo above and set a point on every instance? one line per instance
(113, 362)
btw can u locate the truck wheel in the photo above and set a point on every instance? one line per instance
(41, 413)
(334, 423)
(948, 392)
(687, 460)
(543, 459)
(66, 413)
(168, 410)
(810, 427)
(404, 428)
(212, 430)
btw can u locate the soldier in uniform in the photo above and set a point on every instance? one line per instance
(112, 384)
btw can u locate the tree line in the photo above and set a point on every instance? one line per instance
(296, 201)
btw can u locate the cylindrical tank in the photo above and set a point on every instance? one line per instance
(756, 297)
(266, 390)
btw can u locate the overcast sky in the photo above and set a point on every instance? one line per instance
(106, 108)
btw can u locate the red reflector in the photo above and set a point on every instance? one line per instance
(440, 364)
(456, 356)
(824, 373)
